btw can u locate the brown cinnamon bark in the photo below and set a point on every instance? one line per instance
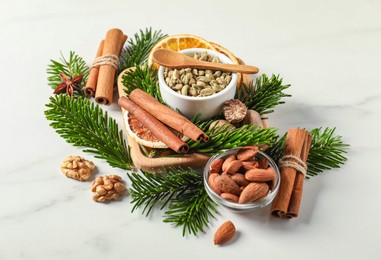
(91, 84)
(296, 197)
(167, 115)
(155, 126)
(295, 144)
(105, 86)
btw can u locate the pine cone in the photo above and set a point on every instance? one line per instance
(77, 168)
(107, 188)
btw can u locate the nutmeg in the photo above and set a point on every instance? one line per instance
(234, 110)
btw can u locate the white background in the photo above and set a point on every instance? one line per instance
(328, 50)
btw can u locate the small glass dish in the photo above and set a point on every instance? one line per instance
(242, 207)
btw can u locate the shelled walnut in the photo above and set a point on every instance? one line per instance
(108, 188)
(77, 168)
(234, 111)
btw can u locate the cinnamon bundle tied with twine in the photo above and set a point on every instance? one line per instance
(293, 171)
(102, 72)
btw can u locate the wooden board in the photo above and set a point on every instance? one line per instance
(155, 165)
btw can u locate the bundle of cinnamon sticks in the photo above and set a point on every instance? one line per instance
(158, 117)
(293, 170)
(100, 83)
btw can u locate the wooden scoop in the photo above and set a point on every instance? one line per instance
(172, 59)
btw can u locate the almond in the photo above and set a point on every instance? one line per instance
(212, 183)
(260, 175)
(227, 185)
(224, 233)
(229, 196)
(253, 192)
(227, 161)
(216, 165)
(250, 165)
(240, 179)
(247, 154)
(263, 163)
(233, 166)
(271, 184)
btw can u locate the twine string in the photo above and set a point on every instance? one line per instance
(109, 59)
(293, 162)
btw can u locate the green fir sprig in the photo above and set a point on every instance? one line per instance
(144, 78)
(181, 190)
(82, 123)
(71, 67)
(327, 151)
(138, 48)
(263, 95)
(223, 138)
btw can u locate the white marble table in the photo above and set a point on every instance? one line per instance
(330, 53)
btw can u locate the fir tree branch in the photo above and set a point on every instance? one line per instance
(181, 190)
(264, 95)
(82, 123)
(139, 47)
(144, 78)
(223, 138)
(191, 210)
(327, 151)
(72, 67)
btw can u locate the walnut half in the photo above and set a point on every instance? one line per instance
(77, 168)
(108, 188)
(234, 111)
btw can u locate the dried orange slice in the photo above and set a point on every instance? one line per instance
(142, 135)
(180, 42)
(246, 78)
(225, 51)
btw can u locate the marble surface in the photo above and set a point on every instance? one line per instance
(328, 50)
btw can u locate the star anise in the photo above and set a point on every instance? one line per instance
(68, 85)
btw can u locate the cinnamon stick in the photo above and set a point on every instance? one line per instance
(296, 197)
(91, 84)
(297, 145)
(155, 126)
(111, 48)
(167, 115)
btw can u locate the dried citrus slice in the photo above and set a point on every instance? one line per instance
(142, 135)
(225, 51)
(180, 42)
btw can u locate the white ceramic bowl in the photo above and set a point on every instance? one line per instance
(208, 106)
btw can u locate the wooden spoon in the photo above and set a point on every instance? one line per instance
(172, 59)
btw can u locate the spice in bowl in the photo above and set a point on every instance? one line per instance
(199, 99)
(197, 82)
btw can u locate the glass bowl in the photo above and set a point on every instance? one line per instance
(241, 207)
